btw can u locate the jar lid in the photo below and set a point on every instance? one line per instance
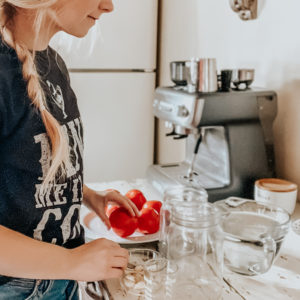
(204, 215)
(276, 185)
(184, 194)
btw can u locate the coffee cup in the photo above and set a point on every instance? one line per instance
(279, 192)
(225, 80)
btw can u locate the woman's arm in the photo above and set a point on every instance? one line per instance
(21, 256)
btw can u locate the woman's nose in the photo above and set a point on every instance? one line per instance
(106, 6)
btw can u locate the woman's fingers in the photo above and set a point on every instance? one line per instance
(134, 208)
(120, 262)
(114, 273)
(121, 200)
(129, 205)
(121, 252)
(111, 244)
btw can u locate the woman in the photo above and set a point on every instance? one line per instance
(42, 252)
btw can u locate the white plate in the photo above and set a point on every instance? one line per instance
(97, 229)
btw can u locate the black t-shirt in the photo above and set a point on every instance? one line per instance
(53, 216)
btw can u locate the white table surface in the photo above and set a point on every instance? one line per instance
(281, 282)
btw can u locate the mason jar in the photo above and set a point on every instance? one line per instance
(177, 196)
(195, 244)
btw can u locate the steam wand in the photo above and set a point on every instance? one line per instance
(191, 168)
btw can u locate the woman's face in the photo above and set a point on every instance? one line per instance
(76, 17)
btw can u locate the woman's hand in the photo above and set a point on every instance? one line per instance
(97, 260)
(97, 201)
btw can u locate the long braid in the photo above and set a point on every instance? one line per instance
(58, 140)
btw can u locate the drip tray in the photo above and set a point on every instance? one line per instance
(178, 173)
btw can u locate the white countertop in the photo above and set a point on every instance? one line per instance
(281, 282)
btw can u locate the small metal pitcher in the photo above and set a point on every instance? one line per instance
(208, 78)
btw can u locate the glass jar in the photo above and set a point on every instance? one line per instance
(178, 196)
(160, 276)
(195, 244)
(155, 278)
(133, 279)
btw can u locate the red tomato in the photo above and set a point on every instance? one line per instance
(137, 198)
(122, 223)
(109, 209)
(148, 222)
(154, 204)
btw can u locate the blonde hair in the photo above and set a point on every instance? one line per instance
(58, 140)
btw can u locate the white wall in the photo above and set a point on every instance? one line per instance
(270, 44)
(117, 122)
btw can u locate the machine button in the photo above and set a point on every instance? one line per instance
(165, 107)
(182, 111)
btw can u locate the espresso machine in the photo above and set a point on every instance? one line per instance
(229, 139)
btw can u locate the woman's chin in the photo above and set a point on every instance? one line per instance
(82, 32)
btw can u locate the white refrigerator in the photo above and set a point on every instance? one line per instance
(114, 85)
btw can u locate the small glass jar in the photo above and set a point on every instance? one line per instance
(133, 281)
(160, 277)
(177, 196)
(195, 244)
(155, 278)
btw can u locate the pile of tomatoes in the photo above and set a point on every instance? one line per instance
(124, 224)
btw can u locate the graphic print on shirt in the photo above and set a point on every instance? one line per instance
(53, 198)
(57, 96)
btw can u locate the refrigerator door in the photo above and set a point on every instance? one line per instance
(116, 110)
(128, 39)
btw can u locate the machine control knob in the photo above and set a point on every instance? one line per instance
(155, 103)
(182, 111)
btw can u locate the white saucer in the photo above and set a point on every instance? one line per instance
(97, 229)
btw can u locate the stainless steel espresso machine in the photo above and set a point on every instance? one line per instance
(229, 140)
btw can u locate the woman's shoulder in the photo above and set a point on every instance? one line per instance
(11, 79)
(5, 49)
(9, 62)
(10, 70)
(10, 73)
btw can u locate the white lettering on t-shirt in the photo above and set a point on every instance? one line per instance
(66, 224)
(38, 232)
(73, 127)
(42, 197)
(68, 232)
(60, 194)
(77, 183)
(45, 153)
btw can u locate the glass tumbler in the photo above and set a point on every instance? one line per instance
(195, 244)
(133, 279)
(155, 278)
(177, 196)
(160, 277)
